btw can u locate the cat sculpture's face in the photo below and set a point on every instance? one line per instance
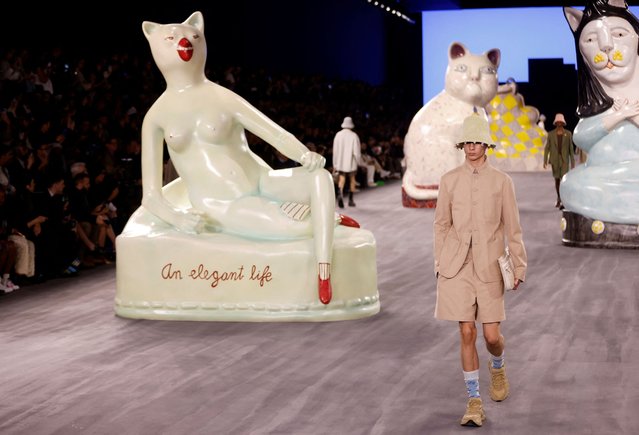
(471, 77)
(609, 48)
(177, 46)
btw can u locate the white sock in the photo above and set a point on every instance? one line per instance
(497, 361)
(472, 383)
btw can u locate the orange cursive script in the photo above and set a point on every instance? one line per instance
(215, 276)
(264, 275)
(169, 273)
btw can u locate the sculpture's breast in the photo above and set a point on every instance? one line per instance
(205, 126)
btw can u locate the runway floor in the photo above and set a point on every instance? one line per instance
(68, 365)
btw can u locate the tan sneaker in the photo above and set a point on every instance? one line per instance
(499, 386)
(474, 415)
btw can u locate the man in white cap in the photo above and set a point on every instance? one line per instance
(560, 152)
(346, 158)
(475, 218)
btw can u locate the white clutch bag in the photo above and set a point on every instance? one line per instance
(507, 269)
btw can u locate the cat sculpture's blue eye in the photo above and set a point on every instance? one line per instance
(487, 70)
(461, 68)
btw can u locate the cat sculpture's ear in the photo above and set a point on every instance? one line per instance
(573, 16)
(457, 50)
(196, 20)
(148, 27)
(494, 56)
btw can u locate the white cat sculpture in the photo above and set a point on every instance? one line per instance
(429, 146)
(232, 239)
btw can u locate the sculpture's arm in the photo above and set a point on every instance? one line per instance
(623, 110)
(152, 168)
(266, 129)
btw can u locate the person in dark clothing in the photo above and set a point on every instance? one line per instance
(56, 245)
(8, 250)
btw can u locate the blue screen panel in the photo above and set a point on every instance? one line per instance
(520, 34)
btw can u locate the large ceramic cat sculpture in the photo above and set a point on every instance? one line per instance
(607, 187)
(429, 146)
(601, 197)
(232, 239)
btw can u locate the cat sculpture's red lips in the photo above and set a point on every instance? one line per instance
(185, 49)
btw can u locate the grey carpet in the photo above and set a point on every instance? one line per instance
(69, 366)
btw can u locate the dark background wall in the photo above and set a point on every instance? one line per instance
(349, 39)
(346, 39)
(552, 88)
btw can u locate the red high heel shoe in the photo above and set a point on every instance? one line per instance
(325, 290)
(348, 221)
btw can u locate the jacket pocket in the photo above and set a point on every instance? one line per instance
(452, 256)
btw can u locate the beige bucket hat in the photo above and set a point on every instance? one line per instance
(475, 130)
(559, 118)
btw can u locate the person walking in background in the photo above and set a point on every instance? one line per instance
(346, 159)
(560, 152)
(541, 122)
(475, 218)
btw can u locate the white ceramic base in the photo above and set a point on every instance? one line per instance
(169, 275)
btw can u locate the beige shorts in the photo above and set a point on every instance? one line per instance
(465, 298)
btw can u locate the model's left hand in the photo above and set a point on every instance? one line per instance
(517, 282)
(311, 161)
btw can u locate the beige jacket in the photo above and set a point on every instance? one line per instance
(477, 208)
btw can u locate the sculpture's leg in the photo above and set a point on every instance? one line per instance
(324, 284)
(322, 215)
(317, 189)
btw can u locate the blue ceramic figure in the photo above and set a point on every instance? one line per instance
(606, 187)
